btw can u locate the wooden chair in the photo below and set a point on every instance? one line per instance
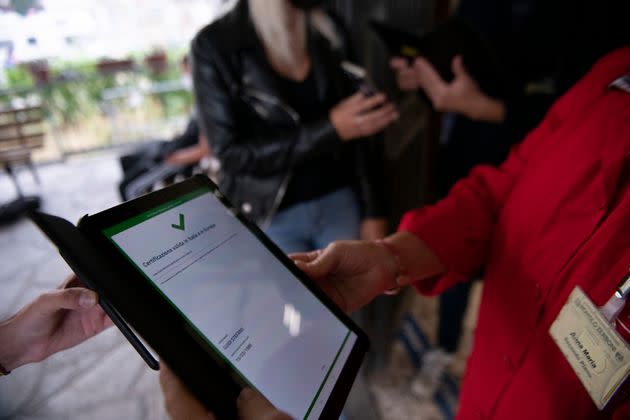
(20, 133)
(108, 66)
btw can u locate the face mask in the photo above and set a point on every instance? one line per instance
(187, 81)
(306, 4)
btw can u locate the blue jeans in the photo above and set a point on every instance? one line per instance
(316, 223)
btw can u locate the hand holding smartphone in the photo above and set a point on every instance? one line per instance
(359, 77)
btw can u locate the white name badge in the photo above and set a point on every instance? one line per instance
(598, 355)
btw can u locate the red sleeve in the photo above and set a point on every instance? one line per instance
(622, 412)
(459, 228)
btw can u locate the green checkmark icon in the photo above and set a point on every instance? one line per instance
(182, 223)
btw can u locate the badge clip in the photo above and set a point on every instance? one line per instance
(622, 83)
(617, 301)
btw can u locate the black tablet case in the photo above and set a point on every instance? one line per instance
(440, 46)
(205, 379)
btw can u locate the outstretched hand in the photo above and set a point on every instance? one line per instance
(352, 273)
(53, 322)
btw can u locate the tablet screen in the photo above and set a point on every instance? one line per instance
(250, 308)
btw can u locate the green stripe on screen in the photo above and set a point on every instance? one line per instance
(143, 217)
(327, 374)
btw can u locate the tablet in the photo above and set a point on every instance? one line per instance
(440, 46)
(220, 303)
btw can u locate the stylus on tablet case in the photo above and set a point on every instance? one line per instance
(68, 238)
(130, 335)
(120, 323)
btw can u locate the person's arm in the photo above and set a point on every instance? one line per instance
(351, 119)
(437, 246)
(352, 273)
(459, 229)
(189, 155)
(53, 322)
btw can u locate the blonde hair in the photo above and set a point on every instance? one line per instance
(325, 26)
(284, 46)
(273, 24)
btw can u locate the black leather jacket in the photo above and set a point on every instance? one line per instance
(255, 135)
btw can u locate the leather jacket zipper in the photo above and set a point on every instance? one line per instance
(272, 100)
(295, 117)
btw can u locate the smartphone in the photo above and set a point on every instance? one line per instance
(359, 77)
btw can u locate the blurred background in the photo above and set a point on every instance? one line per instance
(107, 72)
(84, 82)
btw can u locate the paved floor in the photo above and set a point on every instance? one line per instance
(103, 378)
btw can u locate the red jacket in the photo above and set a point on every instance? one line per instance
(555, 215)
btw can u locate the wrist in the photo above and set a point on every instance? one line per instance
(485, 108)
(399, 279)
(419, 261)
(332, 119)
(12, 351)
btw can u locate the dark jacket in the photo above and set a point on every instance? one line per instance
(545, 47)
(256, 136)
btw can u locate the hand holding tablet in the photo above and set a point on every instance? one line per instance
(223, 306)
(55, 321)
